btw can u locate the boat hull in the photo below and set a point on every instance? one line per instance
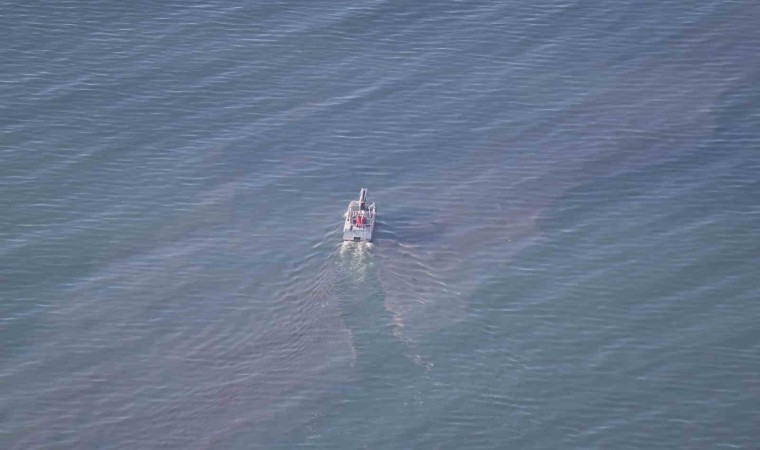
(359, 220)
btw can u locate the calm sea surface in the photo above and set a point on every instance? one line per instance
(567, 254)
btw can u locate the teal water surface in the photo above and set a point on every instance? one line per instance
(566, 253)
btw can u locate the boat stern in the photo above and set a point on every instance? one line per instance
(355, 233)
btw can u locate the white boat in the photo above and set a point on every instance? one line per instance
(360, 219)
